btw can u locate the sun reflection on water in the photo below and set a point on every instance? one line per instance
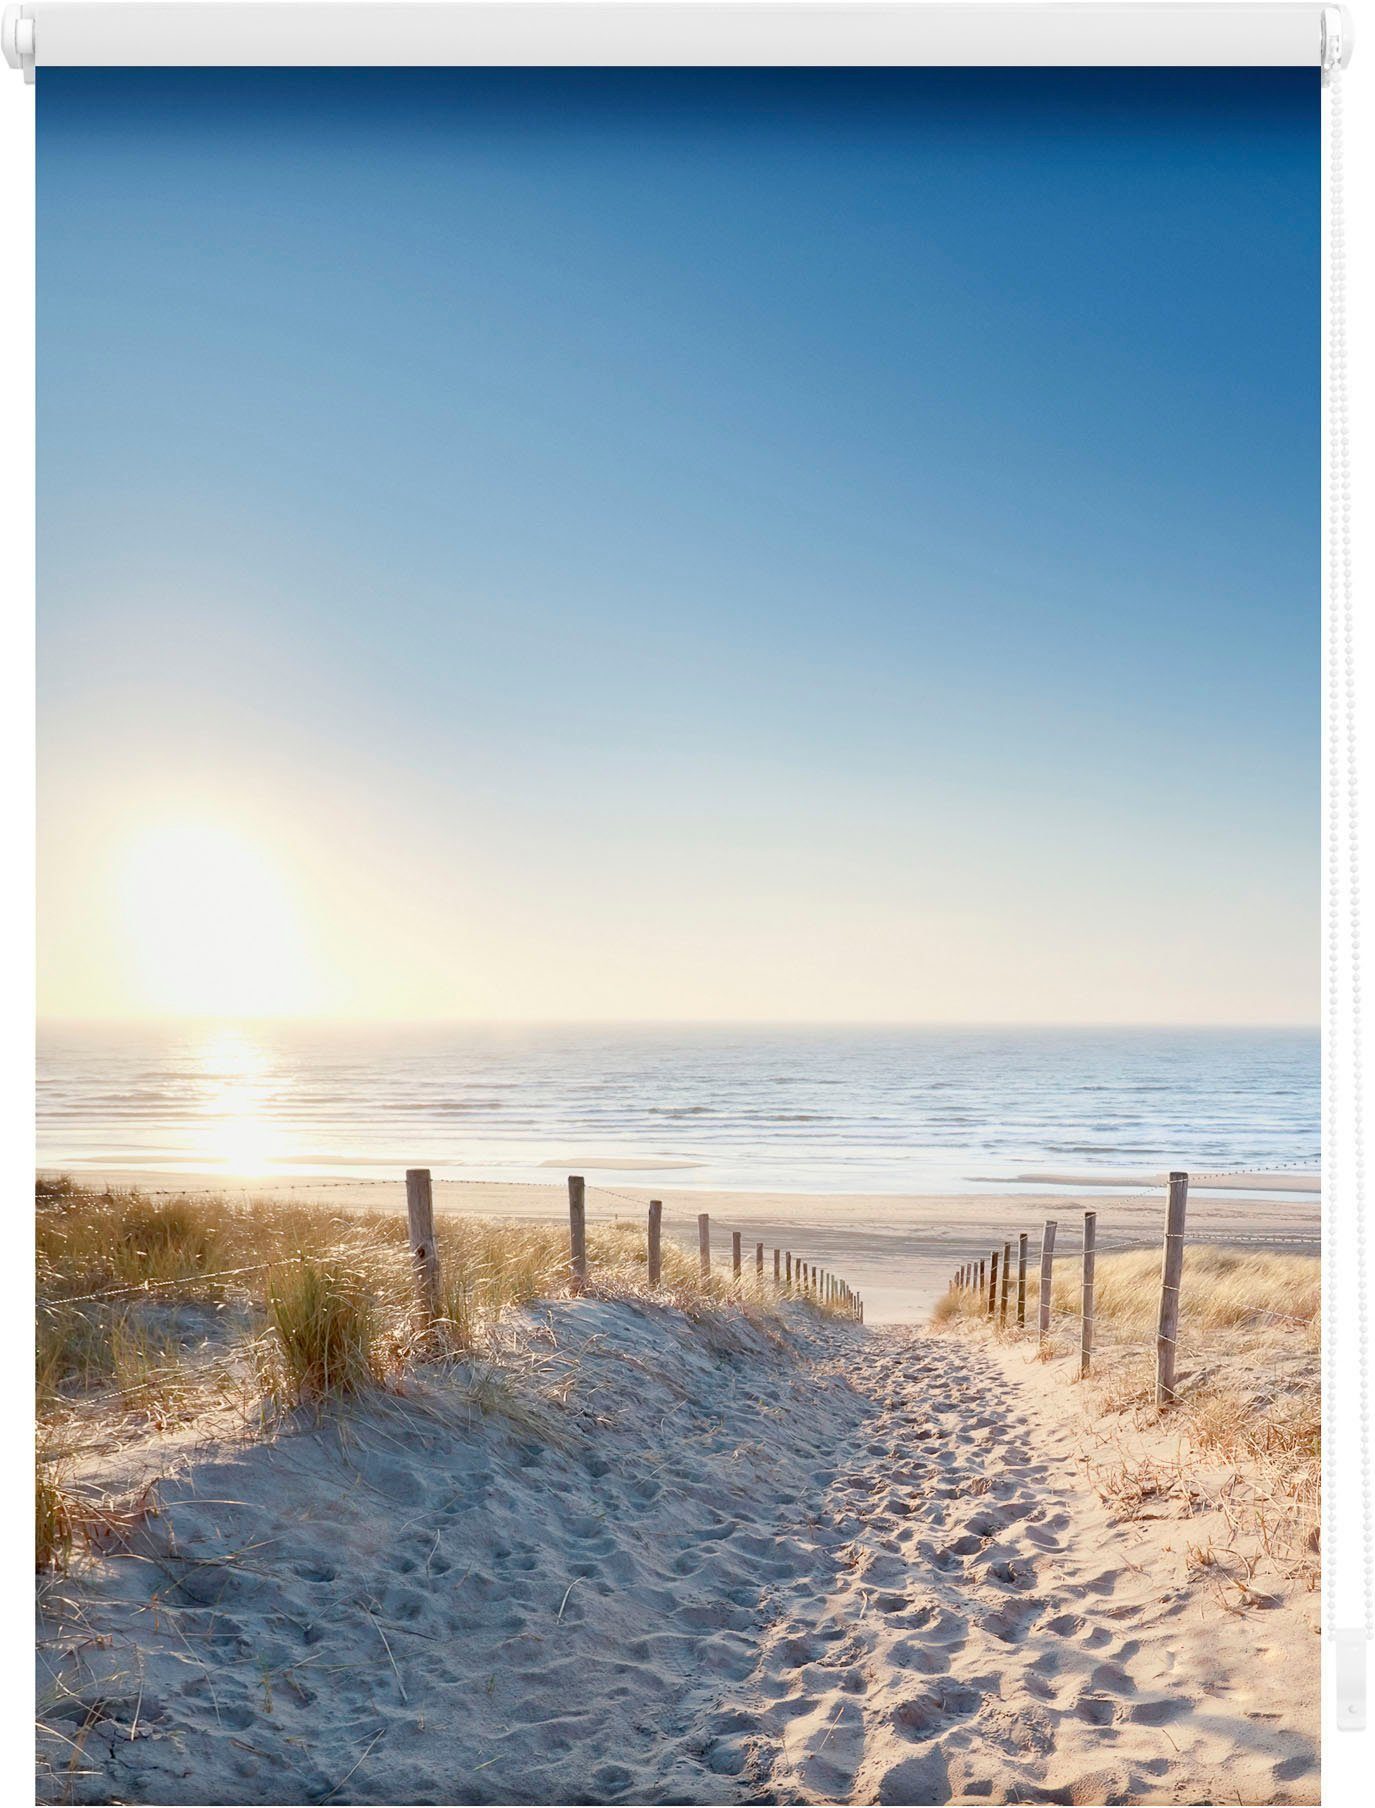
(233, 1127)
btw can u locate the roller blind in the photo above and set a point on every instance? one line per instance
(696, 705)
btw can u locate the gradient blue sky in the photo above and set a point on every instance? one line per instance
(680, 544)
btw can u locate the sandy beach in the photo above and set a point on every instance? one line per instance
(831, 1564)
(897, 1250)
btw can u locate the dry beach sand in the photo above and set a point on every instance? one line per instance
(634, 1554)
(869, 1568)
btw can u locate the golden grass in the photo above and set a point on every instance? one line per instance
(1222, 1289)
(52, 1518)
(328, 1327)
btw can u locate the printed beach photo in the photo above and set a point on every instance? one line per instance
(678, 1055)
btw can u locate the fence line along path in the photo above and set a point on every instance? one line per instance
(791, 1275)
(987, 1283)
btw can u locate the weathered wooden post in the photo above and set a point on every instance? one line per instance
(1047, 1267)
(577, 1230)
(788, 1269)
(704, 1243)
(759, 1261)
(735, 1253)
(992, 1282)
(777, 1266)
(656, 1246)
(1021, 1280)
(1086, 1296)
(1002, 1285)
(983, 1264)
(1171, 1274)
(424, 1255)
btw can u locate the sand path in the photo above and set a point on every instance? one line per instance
(978, 1628)
(865, 1569)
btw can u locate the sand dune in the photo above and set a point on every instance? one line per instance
(708, 1565)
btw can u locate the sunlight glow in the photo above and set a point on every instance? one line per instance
(233, 1129)
(210, 926)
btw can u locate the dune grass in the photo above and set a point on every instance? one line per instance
(325, 1315)
(52, 1517)
(1224, 1289)
(203, 1301)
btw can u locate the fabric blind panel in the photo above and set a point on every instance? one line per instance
(680, 840)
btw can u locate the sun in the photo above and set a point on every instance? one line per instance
(211, 925)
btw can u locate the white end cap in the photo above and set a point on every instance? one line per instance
(17, 40)
(1349, 1649)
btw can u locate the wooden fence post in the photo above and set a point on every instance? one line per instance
(1171, 1274)
(1086, 1296)
(1021, 1280)
(788, 1269)
(577, 1230)
(656, 1248)
(735, 1253)
(424, 1255)
(992, 1282)
(1002, 1285)
(983, 1264)
(704, 1243)
(1047, 1275)
(777, 1266)
(759, 1261)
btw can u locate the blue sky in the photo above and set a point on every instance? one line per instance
(676, 543)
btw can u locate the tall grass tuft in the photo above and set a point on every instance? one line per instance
(326, 1324)
(52, 1518)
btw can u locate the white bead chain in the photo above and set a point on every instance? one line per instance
(1345, 1038)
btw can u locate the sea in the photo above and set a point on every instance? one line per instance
(742, 1106)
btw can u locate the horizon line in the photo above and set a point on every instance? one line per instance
(170, 1019)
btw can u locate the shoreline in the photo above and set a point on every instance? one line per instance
(897, 1250)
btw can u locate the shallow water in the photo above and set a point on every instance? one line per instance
(826, 1109)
